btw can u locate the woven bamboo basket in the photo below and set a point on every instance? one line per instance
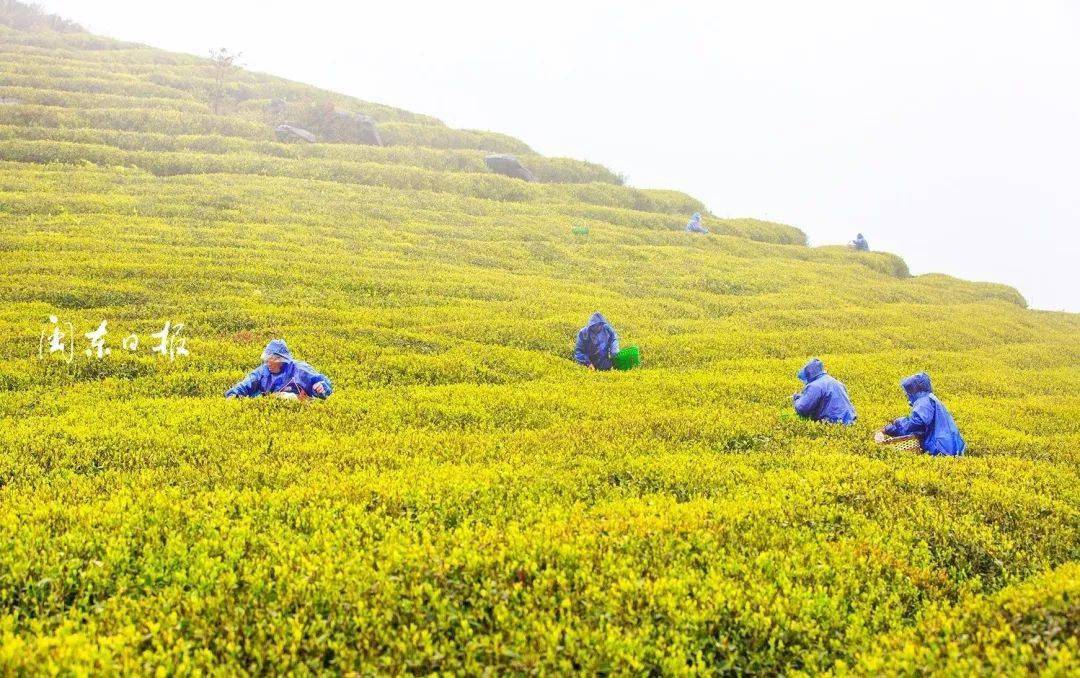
(903, 443)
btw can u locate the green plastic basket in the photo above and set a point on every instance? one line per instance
(580, 230)
(626, 359)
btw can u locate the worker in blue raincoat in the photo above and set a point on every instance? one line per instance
(929, 420)
(282, 376)
(823, 398)
(860, 244)
(694, 225)
(596, 343)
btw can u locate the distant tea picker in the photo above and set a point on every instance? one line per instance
(283, 377)
(694, 225)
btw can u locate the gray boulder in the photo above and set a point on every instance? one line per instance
(509, 166)
(287, 133)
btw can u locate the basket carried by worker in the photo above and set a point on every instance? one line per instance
(626, 359)
(901, 443)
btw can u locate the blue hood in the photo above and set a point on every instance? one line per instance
(595, 319)
(277, 347)
(916, 385)
(811, 371)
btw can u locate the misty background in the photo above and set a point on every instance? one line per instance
(946, 132)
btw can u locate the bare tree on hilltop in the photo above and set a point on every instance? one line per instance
(223, 66)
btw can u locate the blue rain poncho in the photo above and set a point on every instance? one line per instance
(929, 420)
(596, 343)
(296, 377)
(861, 244)
(824, 398)
(694, 225)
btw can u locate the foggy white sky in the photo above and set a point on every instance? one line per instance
(947, 132)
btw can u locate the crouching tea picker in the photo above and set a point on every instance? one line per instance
(929, 422)
(824, 398)
(282, 376)
(597, 347)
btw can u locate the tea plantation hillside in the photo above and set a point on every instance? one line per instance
(469, 497)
